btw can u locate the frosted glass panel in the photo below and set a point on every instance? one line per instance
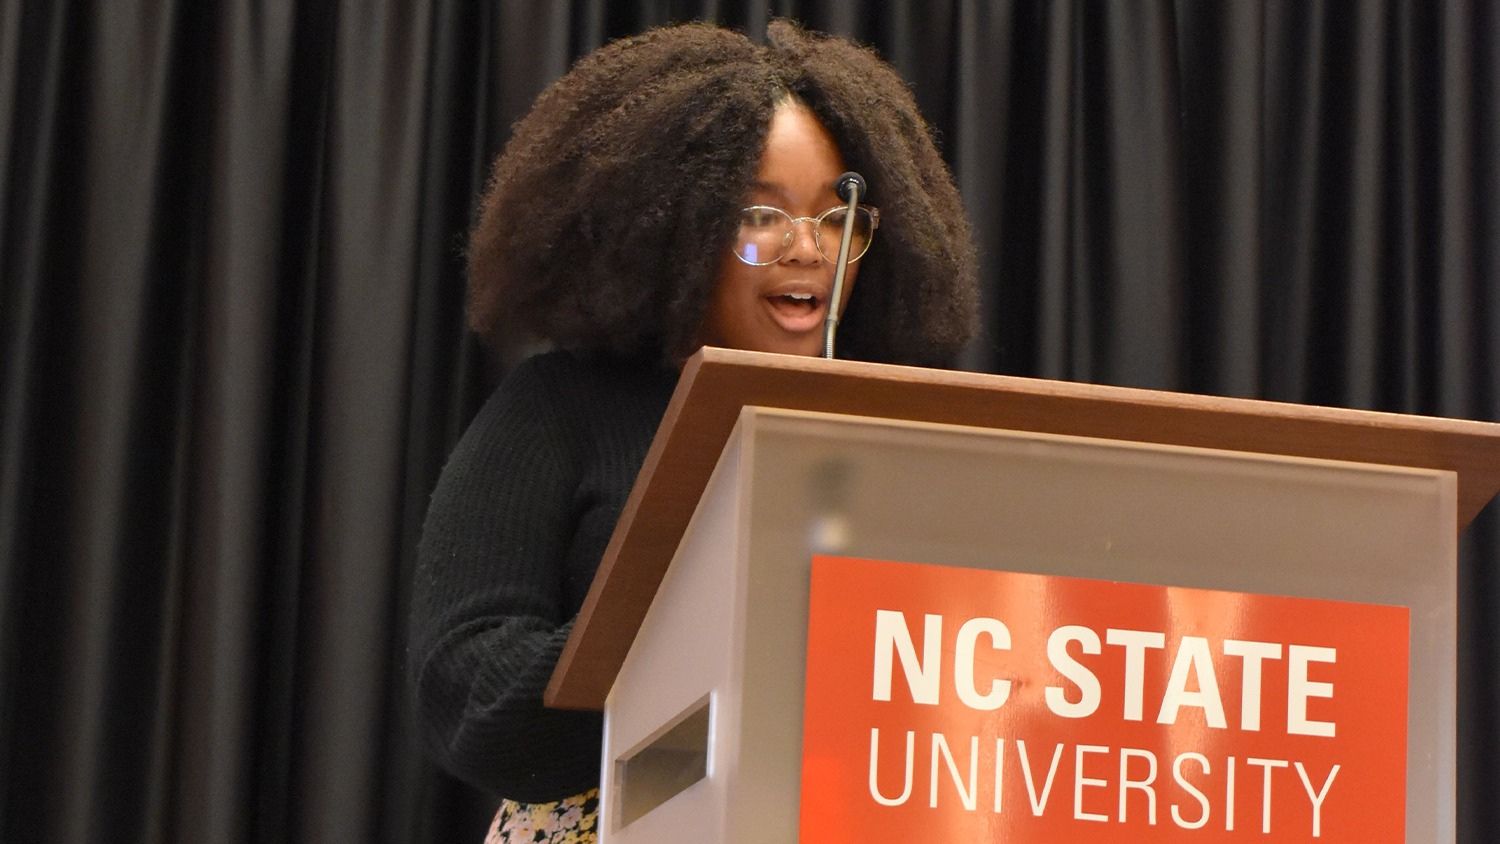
(1087, 508)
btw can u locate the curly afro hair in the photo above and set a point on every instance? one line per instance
(609, 210)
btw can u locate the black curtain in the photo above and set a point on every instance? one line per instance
(234, 355)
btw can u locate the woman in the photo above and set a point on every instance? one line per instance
(672, 190)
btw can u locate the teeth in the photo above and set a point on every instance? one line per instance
(800, 297)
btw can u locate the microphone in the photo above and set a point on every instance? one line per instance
(850, 187)
(847, 182)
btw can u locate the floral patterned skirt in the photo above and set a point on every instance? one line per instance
(572, 820)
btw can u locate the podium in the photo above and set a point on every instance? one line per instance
(694, 639)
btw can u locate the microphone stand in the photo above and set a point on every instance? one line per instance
(849, 187)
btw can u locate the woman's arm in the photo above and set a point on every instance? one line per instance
(488, 619)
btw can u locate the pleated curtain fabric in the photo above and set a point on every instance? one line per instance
(234, 359)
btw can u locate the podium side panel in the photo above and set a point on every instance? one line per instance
(685, 653)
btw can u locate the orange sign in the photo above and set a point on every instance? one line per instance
(953, 704)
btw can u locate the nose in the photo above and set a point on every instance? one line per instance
(803, 248)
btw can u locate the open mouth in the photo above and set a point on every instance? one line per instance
(797, 312)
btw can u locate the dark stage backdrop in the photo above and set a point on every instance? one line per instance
(234, 358)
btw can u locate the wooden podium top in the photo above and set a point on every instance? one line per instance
(717, 383)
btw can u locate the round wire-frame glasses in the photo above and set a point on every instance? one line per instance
(766, 233)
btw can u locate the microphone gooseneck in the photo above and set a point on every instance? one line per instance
(850, 188)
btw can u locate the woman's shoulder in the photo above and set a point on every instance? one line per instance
(567, 392)
(564, 369)
(575, 382)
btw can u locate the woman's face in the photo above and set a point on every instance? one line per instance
(767, 308)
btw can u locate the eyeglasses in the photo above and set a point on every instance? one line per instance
(766, 233)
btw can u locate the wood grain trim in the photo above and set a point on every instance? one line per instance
(716, 383)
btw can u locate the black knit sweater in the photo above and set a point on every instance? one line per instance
(515, 529)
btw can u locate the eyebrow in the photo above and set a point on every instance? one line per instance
(767, 187)
(782, 196)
